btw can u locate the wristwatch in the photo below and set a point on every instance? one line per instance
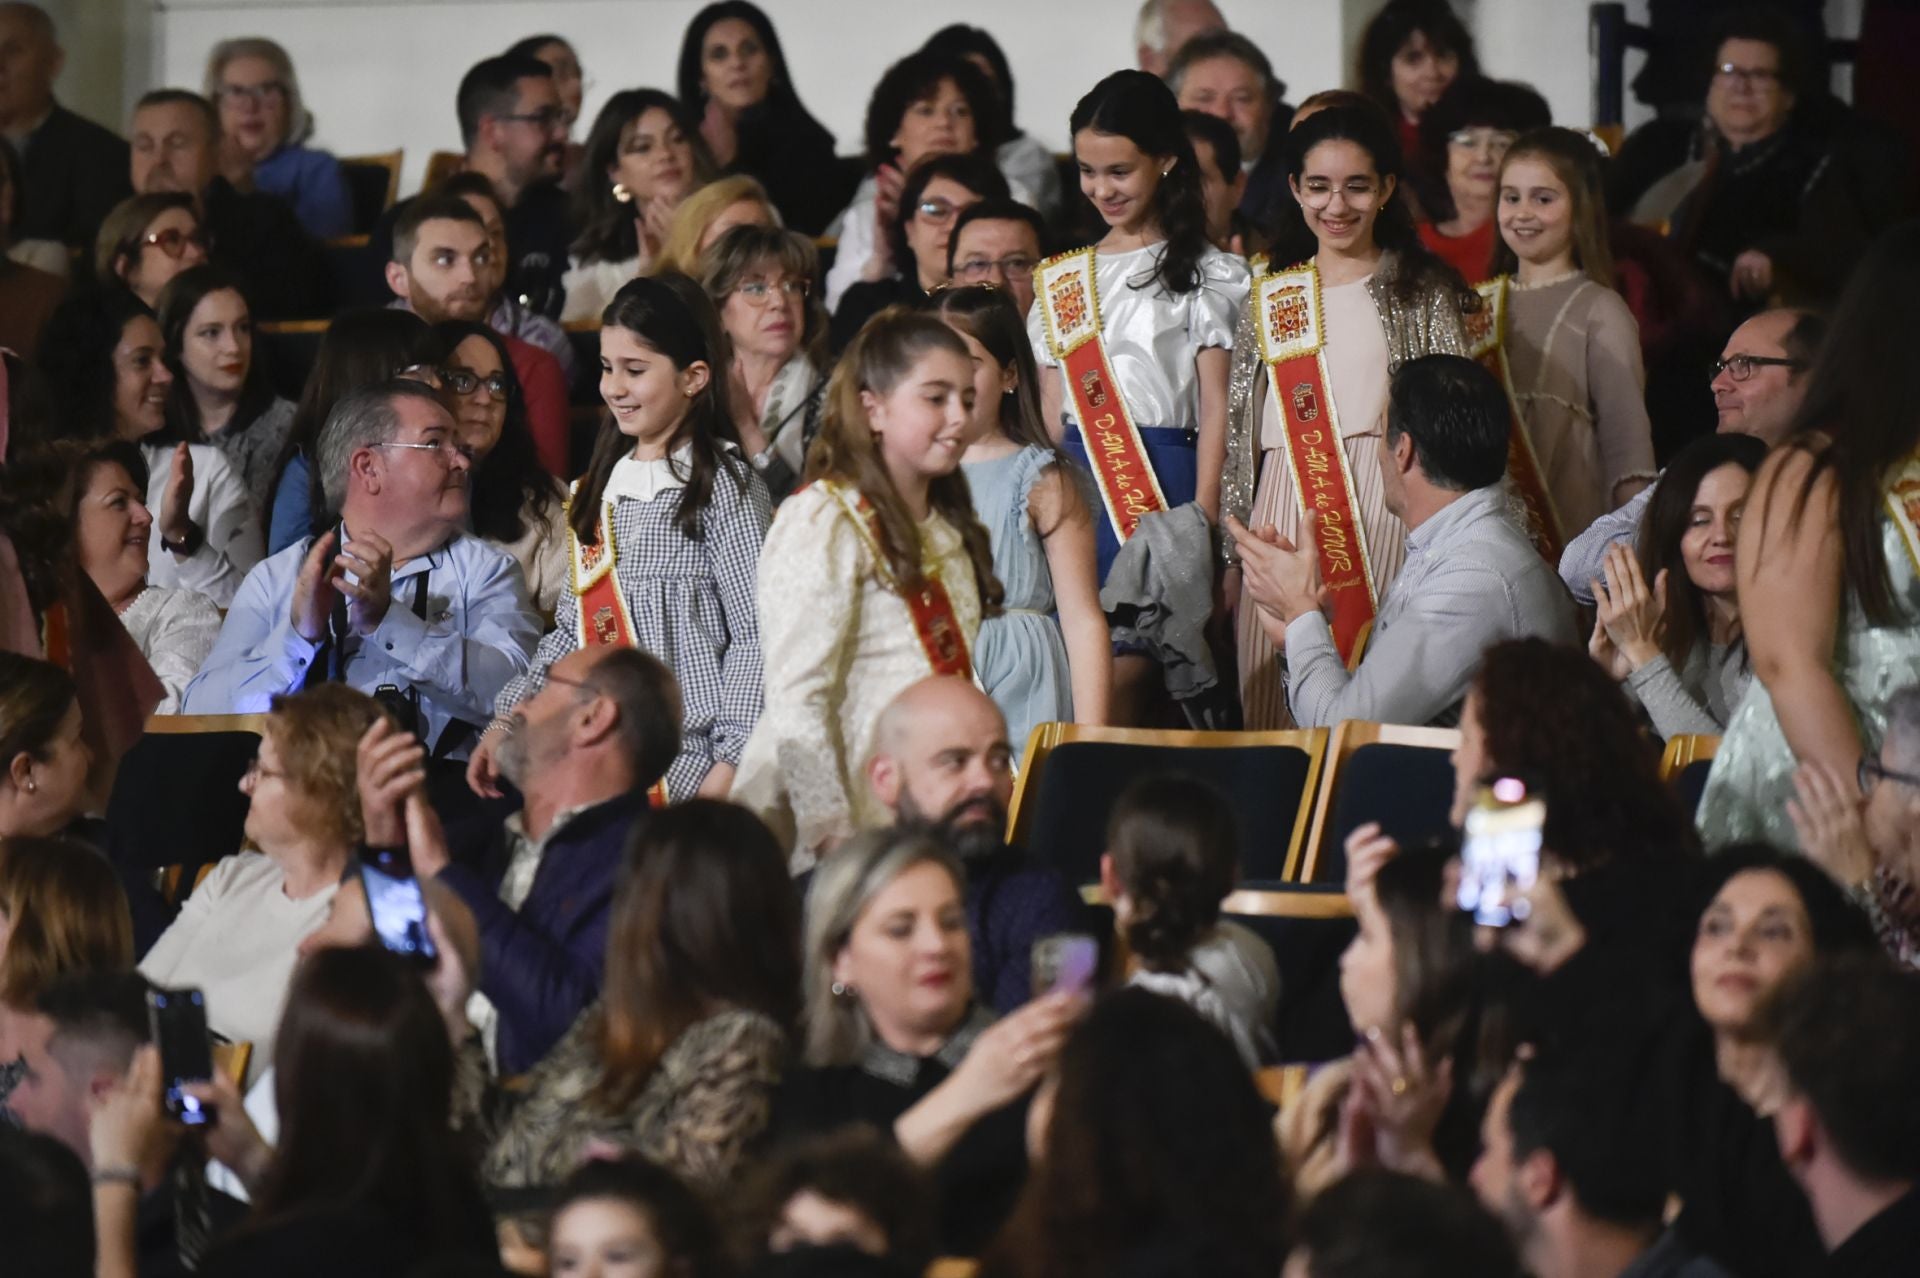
(188, 545)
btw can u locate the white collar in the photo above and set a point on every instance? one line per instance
(644, 480)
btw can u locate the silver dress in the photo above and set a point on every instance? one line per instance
(1752, 776)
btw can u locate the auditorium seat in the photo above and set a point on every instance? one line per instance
(1401, 777)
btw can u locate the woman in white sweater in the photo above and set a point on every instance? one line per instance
(240, 932)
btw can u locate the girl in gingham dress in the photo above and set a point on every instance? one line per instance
(687, 516)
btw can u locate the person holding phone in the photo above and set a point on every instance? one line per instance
(895, 1040)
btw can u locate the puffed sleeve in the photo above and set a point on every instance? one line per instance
(1215, 307)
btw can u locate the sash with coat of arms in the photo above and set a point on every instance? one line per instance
(1487, 343)
(603, 619)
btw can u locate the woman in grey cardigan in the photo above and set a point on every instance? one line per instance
(1675, 643)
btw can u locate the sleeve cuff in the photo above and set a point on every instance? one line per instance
(1305, 635)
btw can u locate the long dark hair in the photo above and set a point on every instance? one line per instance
(607, 232)
(1857, 418)
(1159, 1157)
(76, 358)
(507, 486)
(1417, 270)
(364, 1084)
(1554, 717)
(962, 41)
(178, 301)
(883, 353)
(780, 93)
(916, 78)
(1140, 108)
(1173, 840)
(1398, 23)
(705, 917)
(358, 349)
(671, 314)
(1665, 523)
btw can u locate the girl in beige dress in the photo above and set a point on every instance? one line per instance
(1385, 300)
(1573, 347)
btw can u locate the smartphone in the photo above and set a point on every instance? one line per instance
(398, 907)
(1500, 855)
(179, 1021)
(1065, 961)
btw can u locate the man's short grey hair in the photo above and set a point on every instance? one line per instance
(1903, 728)
(1209, 45)
(363, 418)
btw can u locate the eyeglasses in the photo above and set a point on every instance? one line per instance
(463, 381)
(1747, 77)
(546, 119)
(255, 93)
(939, 212)
(444, 447)
(173, 241)
(1871, 773)
(975, 269)
(426, 374)
(1742, 366)
(256, 771)
(758, 291)
(1498, 140)
(1357, 193)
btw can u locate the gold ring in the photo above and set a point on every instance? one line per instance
(1400, 1087)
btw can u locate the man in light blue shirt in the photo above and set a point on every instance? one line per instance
(1471, 577)
(409, 601)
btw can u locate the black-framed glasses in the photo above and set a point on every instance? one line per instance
(1872, 772)
(463, 381)
(974, 269)
(1749, 77)
(546, 119)
(1742, 366)
(426, 374)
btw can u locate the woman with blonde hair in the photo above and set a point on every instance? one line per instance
(707, 214)
(264, 127)
(873, 576)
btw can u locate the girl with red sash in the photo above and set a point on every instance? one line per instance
(664, 534)
(1132, 337)
(875, 575)
(1366, 298)
(1572, 345)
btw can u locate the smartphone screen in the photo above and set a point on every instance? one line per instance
(179, 1020)
(1500, 856)
(1065, 961)
(395, 901)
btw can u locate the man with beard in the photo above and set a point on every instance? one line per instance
(941, 759)
(582, 751)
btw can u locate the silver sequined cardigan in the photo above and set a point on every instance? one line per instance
(1430, 326)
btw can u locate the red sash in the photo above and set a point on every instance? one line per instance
(935, 624)
(1487, 342)
(1288, 315)
(603, 619)
(1128, 487)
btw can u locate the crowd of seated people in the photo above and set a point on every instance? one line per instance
(592, 714)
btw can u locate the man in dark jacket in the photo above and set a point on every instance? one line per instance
(72, 171)
(176, 147)
(583, 750)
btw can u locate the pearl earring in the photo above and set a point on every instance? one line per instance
(842, 991)
(621, 193)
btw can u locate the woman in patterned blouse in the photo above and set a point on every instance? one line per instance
(679, 1057)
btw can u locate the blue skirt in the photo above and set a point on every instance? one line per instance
(1175, 455)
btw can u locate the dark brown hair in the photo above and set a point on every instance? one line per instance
(1173, 840)
(705, 918)
(1665, 523)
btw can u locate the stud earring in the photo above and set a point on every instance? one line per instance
(32, 786)
(621, 193)
(842, 991)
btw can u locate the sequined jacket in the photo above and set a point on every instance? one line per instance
(1429, 327)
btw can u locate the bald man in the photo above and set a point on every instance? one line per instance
(72, 170)
(941, 759)
(1757, 384)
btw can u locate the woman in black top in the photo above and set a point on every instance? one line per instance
(733, 79)
(932, 197)
(894, 1039)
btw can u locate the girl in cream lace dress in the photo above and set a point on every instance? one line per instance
(874, 575)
